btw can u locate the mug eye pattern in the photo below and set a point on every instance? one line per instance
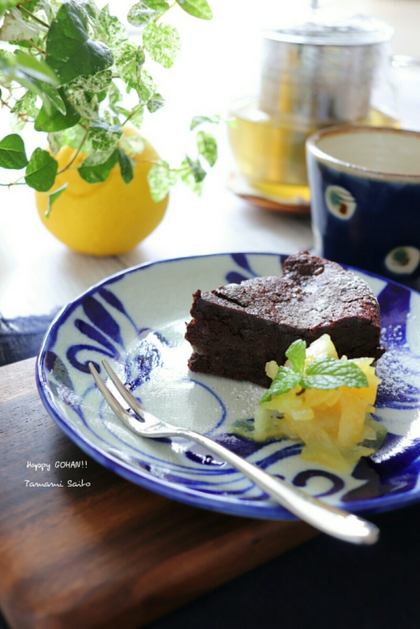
(340, 202)
(402, 260)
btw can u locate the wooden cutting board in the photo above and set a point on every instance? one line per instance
(103, 552)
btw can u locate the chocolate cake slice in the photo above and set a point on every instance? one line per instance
(237, 328)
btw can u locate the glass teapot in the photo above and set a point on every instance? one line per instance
(329, 69)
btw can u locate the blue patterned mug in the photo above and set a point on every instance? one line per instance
(365, 198)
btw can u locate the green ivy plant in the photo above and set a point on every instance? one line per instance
(68, 68)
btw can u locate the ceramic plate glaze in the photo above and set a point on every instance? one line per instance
(136, 319)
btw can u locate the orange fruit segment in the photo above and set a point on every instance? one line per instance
(335, 425)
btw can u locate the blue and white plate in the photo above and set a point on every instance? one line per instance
(136, 319)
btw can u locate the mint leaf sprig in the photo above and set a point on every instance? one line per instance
(70, 69)
(322, 373)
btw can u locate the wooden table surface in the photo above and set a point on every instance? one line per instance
(82, 547)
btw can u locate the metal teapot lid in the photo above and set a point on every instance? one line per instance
(327, 28)
(332, 80)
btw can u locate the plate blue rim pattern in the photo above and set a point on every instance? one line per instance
(366, 497)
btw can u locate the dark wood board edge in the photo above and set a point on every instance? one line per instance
(112, 554)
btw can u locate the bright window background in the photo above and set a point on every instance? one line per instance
(220, 59)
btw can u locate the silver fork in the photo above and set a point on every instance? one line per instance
(331, 520)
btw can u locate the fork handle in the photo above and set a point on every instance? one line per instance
(328, 519)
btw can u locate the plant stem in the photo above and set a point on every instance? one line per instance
(133, 112)
(75, 154)
(163, 12)
(22, 116)
(13, 183)
(31, 15)
(43, 52)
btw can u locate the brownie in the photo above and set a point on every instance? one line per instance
(236, 329)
